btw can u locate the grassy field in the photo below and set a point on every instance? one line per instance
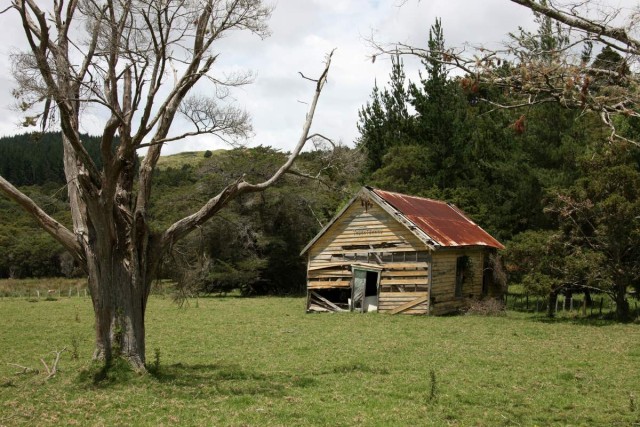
(262, 361)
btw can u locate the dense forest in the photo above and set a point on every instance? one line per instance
(545, 180)
(262, 234)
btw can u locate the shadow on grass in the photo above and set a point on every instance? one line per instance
(230, 379)
(204, 379)
(104, 375)
(593, 320)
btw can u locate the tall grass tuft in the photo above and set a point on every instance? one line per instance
(433, 386)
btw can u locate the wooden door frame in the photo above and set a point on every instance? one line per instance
(378, 271)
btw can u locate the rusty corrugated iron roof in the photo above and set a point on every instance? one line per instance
(444, 223)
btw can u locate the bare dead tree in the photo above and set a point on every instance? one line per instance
(139, 61)
(533, 72)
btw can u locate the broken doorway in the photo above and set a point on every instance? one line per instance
(364, 293)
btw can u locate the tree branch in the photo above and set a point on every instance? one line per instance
(59, 232)
(245, 186)
(184, 226)
(615, 33)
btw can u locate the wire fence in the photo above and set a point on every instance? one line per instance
(38, 293)
(578, 304)
(42, 289)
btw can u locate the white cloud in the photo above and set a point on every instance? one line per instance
(303, 32)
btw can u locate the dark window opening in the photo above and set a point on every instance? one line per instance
(352, 247)
(423, 256)
(338, 296)
(463, 270)
(487, 276)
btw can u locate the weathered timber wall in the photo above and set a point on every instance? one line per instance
(388, 301)
(368, 230)
(444, 280)
(370, 236)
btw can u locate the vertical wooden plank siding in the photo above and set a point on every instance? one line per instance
(444, 280)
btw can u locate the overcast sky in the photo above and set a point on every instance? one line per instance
(303, 31)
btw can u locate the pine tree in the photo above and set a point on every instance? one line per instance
(441, 114)
(385, 121)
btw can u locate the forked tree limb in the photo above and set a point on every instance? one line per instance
(184, 226)
(247, 187)
(48, 54)
(53, 370)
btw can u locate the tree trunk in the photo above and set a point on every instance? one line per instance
(114, 254)
(119, 294)
(587, 298)
(568, 296)
(553, 298)
(622, 305)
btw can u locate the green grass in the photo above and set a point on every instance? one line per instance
(262, 361)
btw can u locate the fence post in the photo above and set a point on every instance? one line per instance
(527, 302)
(601, 302)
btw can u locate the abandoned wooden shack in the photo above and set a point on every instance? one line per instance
(395, 253)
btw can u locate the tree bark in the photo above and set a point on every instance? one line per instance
(551, 308)
(622, 305)
(119, 295)
(115, 260)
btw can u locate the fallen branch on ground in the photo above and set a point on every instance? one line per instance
(51, 372)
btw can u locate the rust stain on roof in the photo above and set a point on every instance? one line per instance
(444, 223)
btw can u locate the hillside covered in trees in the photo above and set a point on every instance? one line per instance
(262, 233)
